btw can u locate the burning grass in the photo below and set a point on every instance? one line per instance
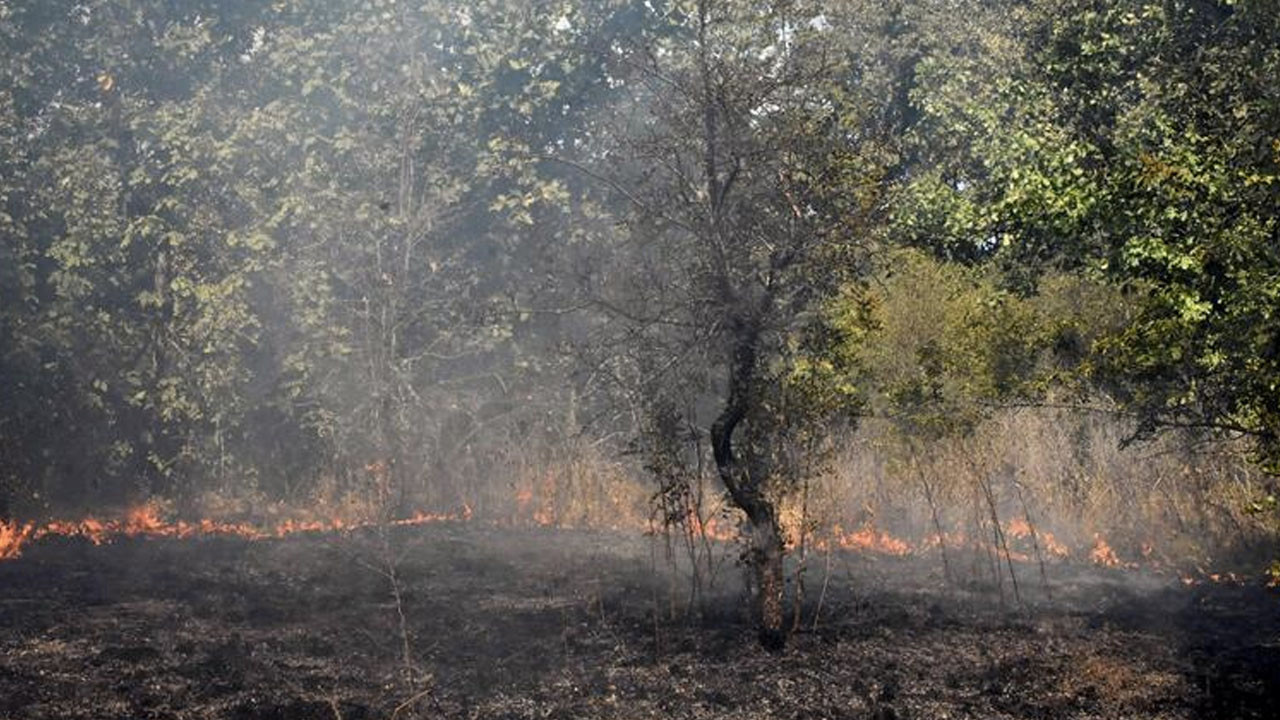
(145, 521)
(1022, 542)
(1126, 601)
(1027, 487)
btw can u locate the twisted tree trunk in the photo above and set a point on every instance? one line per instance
(745, 482)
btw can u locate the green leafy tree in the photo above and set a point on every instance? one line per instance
(252, 241)
(129, 311)
(1136, 140)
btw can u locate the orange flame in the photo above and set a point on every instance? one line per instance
(535, 501)
(868, 539)
(1102, 554)
(535, 504)
(12, 537)
(936, 540)
(146, 521)
(1223, 578)
(1020, 528)
(712, 528)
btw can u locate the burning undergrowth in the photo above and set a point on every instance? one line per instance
(558, 591)
(1017, 542)
(1018, 491)
(146, 522)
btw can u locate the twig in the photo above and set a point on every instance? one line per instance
(937, 526)
(395, 714)
(657, 604)
(990, 548)
(406, 650)
(1001, 540)
(1035, 541)
(826, 580)
(617, 187)
(803, 555)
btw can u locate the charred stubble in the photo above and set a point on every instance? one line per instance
(512, 623)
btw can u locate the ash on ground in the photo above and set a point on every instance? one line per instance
(506, 623)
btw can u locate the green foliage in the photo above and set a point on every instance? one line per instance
(1187, 129)
(942, 344)
(1136, 141)
(253, 242)
(246, 244)
(132, 315)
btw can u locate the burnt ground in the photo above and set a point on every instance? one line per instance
(561, 624)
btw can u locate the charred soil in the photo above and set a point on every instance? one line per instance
(507, 623)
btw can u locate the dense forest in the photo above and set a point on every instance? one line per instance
(903, 267)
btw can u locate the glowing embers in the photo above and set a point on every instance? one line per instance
(144, 521)
(716, 527)
(1224, 578)
(423, 518)
(870, 539)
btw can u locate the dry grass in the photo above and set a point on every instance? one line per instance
(1173, 502)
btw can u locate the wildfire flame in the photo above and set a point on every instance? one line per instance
(12, 536)
(1103, 554)
(869, 539)
(541, 512)
(147, 521)
(714, 528)
(1020, 528)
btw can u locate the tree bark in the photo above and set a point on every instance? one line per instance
(746, 490)
(766, 556)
